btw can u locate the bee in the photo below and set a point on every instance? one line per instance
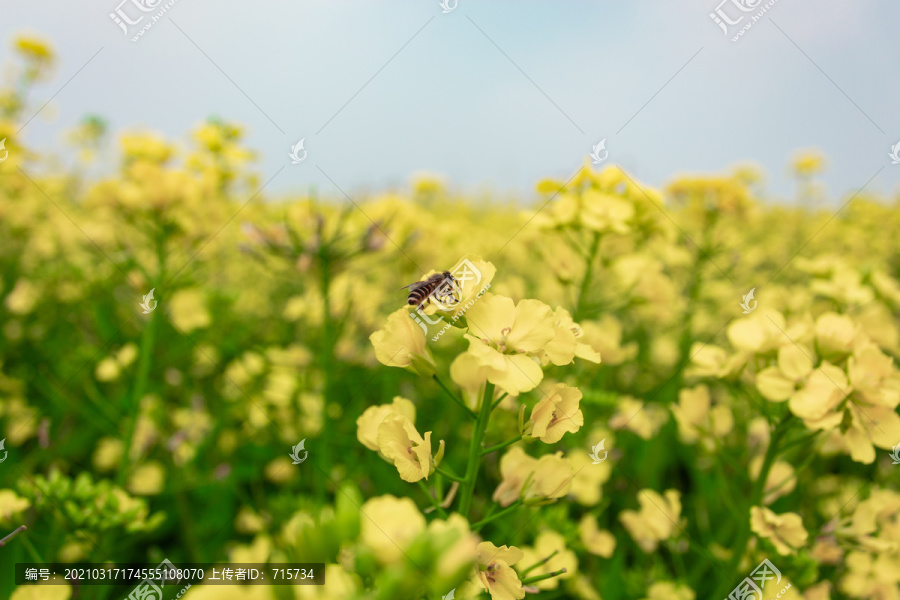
(421, 291)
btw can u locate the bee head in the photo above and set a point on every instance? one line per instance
(448, 276)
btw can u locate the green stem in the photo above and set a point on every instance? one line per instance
(449, 475)
(499, 400)
(537, 578)
(539, 563)
(143, 373)
(468, 486)
(187, 526)
(453, 397)
(327, 358)
(740, 546)
(7, 539)
(31, 549)
(494, 517)
(434, 503)
(501, 446)
(588, 275)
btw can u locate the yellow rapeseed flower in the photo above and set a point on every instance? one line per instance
(400, 443)
(565, 345)
(785, 531)
(496, 573)
(389, 525)
(597, 541)
(367, 424)
(402, 344)
(11, 505)
(669, 590)
(656, 521)
(557, 413)
(506, 339)
(515, 468)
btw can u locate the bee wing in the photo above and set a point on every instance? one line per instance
(414, 286)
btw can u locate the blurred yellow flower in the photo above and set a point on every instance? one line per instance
(669, 590)
(605, 335)
(338, 584)
(462, 552)
(604, 212)
(10, 506)
(820, 591)
(187, 309)
(389, 525)
(553, 476)
(248, 521)
(34, 47)
(824, 390)
(257, 551)
(758, 333)
(400, 443)
(557, 413)
(597, 541)
(146, 146)
(45, 591)
(587, 486)
(780, 482)
(110, 368)
(784, 531)
(656, 521)
(808, 163)
(696, 419)
(367, 424)
(107, 370)
(778, 383)
(515, 468)
(546, 544)
(642, 418)
(279, 470)
(835, 334)
(565, 345)
(108, 453)
(549, 477)
(147, 480)
(23, 297)
(402, 344)
(869, 576)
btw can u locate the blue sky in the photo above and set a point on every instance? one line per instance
(493, 94)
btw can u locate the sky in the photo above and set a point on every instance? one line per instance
(490, 95)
